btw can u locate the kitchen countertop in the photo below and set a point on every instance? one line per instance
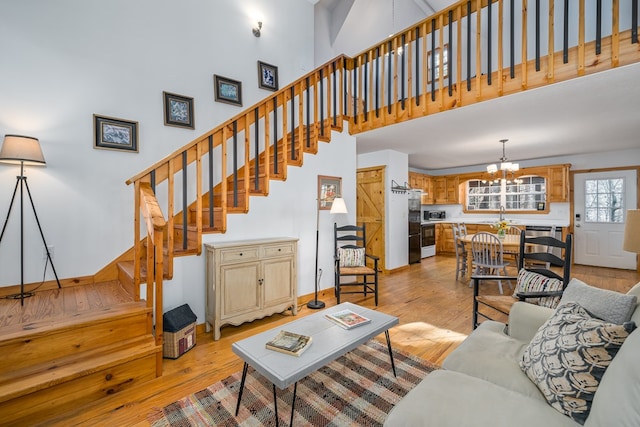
(523, 221)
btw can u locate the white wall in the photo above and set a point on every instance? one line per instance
(396, 205)
(63, 61)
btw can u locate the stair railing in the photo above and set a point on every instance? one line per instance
(472, 51)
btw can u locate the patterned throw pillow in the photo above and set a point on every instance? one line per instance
(528, 281)
(351, 257)
(568, 356)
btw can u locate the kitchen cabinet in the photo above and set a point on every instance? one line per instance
(446, 190)
(558, 183)
(248, 280)
(415, 180)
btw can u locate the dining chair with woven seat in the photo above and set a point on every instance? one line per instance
(461, 250)
(512, 253)
(356, 270)
(486, 249)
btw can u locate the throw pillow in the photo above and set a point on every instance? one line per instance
(529, 281)
(351, 257)
(607, 305)
(568, 357)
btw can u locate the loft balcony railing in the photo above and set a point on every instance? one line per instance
(470, 52)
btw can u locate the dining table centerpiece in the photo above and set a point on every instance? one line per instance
(502, 228)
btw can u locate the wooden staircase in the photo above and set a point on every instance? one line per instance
(51, 365)
(69, 347)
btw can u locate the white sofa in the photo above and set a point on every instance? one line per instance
(482, 384)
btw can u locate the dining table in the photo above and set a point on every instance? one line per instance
(510, 243)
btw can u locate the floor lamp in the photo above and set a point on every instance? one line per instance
(337, 207)
(23, 150)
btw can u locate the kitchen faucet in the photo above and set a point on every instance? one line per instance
(503, 211)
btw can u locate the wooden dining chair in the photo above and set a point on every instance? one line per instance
(512, 253)
(461, 251)
(535, 283)
(486, 249)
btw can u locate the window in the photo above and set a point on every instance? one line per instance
(445, 63)
(603, 199)
(523, 194)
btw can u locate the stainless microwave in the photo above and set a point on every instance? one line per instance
(434, 215)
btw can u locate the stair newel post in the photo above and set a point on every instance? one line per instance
(159, 269)
(198, 198)
(136, 241)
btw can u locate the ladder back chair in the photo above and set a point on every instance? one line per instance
(487, 253)
(535, 283)
(356, 271)
(461, 250)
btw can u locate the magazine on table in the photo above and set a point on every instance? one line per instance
(289, 343)
(347, 319)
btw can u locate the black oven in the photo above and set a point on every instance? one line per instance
(428, 235)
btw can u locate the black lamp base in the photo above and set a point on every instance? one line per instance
(315, 304)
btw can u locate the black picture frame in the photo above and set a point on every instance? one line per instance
(111, 133)
(227, 90)
(178, 110)
(267, 76)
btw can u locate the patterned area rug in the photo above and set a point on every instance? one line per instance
(358, 389)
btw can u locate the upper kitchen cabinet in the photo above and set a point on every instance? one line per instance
(424, 183)
(446, 190)
(558, 185)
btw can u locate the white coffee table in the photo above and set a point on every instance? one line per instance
(330, 341)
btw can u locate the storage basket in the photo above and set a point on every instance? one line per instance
(179, 326)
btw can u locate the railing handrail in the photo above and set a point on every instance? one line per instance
(228, 122)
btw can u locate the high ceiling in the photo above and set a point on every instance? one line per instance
(596, 113)
(591, 114)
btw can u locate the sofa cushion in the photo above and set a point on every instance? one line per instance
(452, 399)
(607, 305)
(351, 257)
(529, 281)
(490, 354)
(568, 357)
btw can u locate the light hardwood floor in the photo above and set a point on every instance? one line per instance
(434, 312)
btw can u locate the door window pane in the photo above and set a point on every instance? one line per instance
(604, 200)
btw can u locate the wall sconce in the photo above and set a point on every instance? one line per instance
(256, 30)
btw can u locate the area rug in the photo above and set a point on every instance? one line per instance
(358, 389)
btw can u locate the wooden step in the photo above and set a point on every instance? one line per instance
(33, 395)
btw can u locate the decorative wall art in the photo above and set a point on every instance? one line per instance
(228, 90)
(329, 187)
(115, 134)
(178, 110)
(267, 76)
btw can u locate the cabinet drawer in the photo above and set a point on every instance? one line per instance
(277, 250)
(238, 254)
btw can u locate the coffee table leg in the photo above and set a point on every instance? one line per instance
(293, 402)
(244, 376)
(393, 365)
(275, 403)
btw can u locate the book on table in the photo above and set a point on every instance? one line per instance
(289, 343)
(347, 319)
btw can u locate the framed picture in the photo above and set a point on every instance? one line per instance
(329, 187)
(115, 134)
(267, 76)
(445, 63)
(178, 110)
(228, 90)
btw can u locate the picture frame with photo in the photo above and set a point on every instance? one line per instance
(267, 76)
(329, 187)
(227, 90)
(111, 133)
(178, 110)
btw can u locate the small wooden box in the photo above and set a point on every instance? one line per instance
(179, 327)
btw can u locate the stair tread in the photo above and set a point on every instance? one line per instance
(40, 327)
(37, 377)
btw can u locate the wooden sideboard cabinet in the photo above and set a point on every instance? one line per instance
(250, 279)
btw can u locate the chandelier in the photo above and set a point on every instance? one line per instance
(505, 166)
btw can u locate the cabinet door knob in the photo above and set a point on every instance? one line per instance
(260, 281)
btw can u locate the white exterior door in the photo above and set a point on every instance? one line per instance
(601, 200)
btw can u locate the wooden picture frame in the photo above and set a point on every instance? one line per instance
(445, 63)
(227, 90)
(329, 187)
(178, 110)
(115, 134)
(267, 76)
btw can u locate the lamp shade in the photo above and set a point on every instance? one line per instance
(21, 149)
(338, 206)
(632, 231)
